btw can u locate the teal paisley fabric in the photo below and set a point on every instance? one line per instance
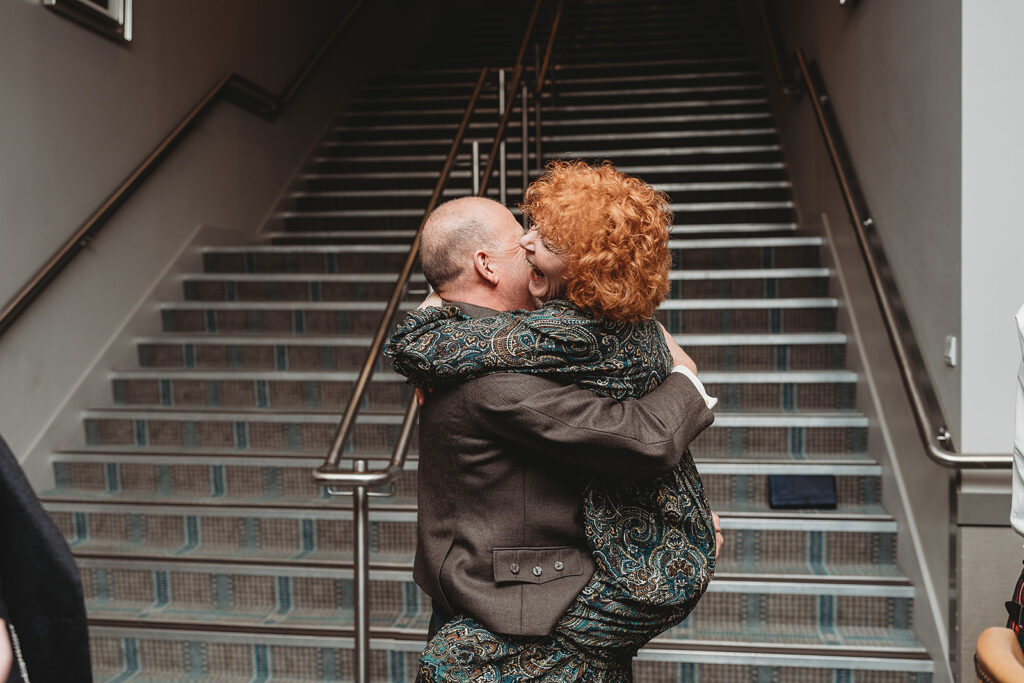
(653, 541)
(437, 346)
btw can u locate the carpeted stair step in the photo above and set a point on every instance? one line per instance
(293, 286)
(561, 114)
(256, 430)
(749, 434)
(394, 180)
(667, 67)
(743, 283)
(389, 199)
(374, 163)
(656, 665)
(163, 653)
(559, 123)
(716, 316)
(305, 259)
(300, 234)
(147, 653)
(851, 613)
(688, 254)
(321, 536)
(275, 317)
(289, 390)
(713, 352)
(658, 175)
(731, 488)
(687, 194)
(254, 352)
(700, 316)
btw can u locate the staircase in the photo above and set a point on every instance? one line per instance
(206, 551)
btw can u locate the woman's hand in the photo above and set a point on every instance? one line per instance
(719, 539)
(679, 357)
(6, 654)
(432, 300)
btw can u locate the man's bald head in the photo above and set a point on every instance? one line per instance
(451, 235)
(470, 253)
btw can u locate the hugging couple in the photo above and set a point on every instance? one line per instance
(562, 523)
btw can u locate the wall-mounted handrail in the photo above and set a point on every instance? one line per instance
(938, 442)
(233, 87)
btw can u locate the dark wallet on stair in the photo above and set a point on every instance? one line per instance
(787, 491)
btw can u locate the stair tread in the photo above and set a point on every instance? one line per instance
(855, 640)
(709, 377)
(405, 510)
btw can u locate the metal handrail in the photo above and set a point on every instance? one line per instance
(547, 52)
(513, 91)
(233, 87)
(329, 472)
(359, 478)
(938, 442)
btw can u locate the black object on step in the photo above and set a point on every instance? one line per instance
(791, 492)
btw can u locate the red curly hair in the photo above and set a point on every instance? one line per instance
(613, 231)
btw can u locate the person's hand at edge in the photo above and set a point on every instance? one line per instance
(6, 654)
(719, 539)
(679, 357)
(421, 395)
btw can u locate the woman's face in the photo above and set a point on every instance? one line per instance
(547, 267)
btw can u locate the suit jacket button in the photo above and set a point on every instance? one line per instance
(514, 568)
(537, 571)
(559, 566)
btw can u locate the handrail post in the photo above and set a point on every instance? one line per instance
(526, 144)
(361, 576)
(501, 93)
(538, 87)
(502, 179)
(476, 167)
(501, 146)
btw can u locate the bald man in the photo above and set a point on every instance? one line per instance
(504, 458)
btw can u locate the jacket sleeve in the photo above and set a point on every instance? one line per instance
(634, 438)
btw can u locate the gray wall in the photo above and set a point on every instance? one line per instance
(79, 112)
(993, 238)
(893, 72)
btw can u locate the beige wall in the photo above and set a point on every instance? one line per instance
(79, 112)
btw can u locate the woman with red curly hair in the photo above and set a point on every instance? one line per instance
(598, 252)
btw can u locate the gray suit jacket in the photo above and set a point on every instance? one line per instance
(503, 461)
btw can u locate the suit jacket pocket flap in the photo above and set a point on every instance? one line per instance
(535, 565)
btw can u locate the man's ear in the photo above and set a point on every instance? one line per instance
(484, 265)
